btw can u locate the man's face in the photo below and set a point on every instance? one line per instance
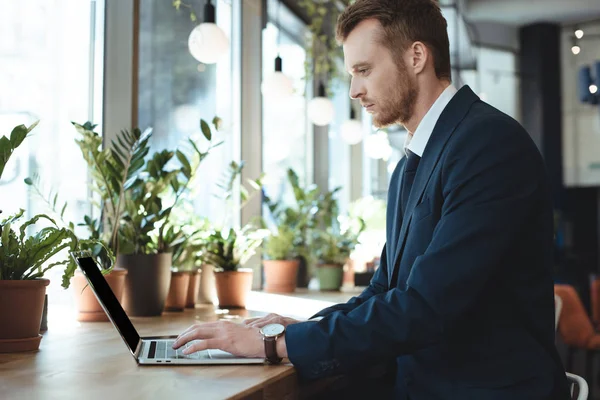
(384, 86)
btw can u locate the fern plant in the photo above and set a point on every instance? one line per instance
(25, 256)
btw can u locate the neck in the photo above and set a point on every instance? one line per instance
(428, 94)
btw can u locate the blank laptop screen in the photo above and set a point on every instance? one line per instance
(107, 298)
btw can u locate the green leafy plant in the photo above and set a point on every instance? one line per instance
(281, 245)
(334, 245)
(324, 55)
(92, 246)
(114, 170)
(146, 217)
(229, 250)
(25, 256)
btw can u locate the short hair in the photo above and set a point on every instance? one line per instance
(404, 22)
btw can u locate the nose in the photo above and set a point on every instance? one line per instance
(357, 90)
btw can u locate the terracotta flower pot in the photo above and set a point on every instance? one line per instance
(233, 287)
(208, 292)
(193, 289)
(330, 276)
(280, 275)
(21, 306)
(147, 284)
(89, 310)
(178, 291)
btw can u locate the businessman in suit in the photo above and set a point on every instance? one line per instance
(461, 305)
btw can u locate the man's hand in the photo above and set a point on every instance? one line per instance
(269, 319)
(237, 339)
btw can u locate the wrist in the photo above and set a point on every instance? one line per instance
(281, 347)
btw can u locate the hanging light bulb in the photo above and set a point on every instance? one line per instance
(578, 33)
(377, 146)
(277, 86)
(575, 48)
(207, 42)
(593, 89)
(351, 130)
(320, 108)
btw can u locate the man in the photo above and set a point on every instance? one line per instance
(462, 302)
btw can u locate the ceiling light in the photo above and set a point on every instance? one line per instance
(207, 42)
(576, 49)
(578, 33)
(593, 89)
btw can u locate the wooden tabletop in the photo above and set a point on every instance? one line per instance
(89, 360)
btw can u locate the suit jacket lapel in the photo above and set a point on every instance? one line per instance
(454, 112)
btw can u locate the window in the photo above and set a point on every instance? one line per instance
(175, 90)
(50, 70)
(286, 130)
(495, 80)
(339, 150)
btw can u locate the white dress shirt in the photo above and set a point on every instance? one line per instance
(420, 137)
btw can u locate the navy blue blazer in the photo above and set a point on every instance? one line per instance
(463, 298)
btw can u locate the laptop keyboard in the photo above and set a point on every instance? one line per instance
(164, 349)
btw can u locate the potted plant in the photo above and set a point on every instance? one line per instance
(301, 218)
(143, 250)
(113, 169)
(23, 261)
(226, 250)
(333, 242)
(89, 310)
(280, 263)
(185, 273)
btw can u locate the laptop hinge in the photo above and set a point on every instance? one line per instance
(139, 348)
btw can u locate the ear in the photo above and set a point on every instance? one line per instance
(419, 57)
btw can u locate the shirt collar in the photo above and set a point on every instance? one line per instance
(419, 139)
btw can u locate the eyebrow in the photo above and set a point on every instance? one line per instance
(360, 65)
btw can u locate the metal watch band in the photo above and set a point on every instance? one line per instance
(271, 350)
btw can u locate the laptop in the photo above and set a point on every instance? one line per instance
(147, 350)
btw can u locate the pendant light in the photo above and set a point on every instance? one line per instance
(351, 130)
(277, 86)
(207, 42)
(320, 108)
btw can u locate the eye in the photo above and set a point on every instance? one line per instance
(363, 71)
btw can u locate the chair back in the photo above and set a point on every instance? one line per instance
(574, 326)
(581, 384)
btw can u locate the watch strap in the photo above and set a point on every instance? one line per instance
(271, 350)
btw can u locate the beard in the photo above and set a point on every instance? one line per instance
(398, 106)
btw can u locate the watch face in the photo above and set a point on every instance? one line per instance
(273, 330)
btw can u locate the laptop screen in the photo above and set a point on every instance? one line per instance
(108, 301)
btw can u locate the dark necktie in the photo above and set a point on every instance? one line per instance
(410, 169)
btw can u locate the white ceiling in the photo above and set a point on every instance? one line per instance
(523, 12)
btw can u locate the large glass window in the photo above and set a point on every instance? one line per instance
(175, 90)
(50, 70)
(286, 130)
(496, 80)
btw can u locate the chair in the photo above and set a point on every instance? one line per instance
(582, 386)
(576, 330)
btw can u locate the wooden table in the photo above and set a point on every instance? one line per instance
(89, 360)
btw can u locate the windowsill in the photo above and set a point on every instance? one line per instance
(303, 303)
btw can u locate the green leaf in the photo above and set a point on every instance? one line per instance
(18, 134)
(205, 130)
(217, 123)
(28, 181)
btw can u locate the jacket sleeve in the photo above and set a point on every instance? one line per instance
(489, 188)
(377, 285)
